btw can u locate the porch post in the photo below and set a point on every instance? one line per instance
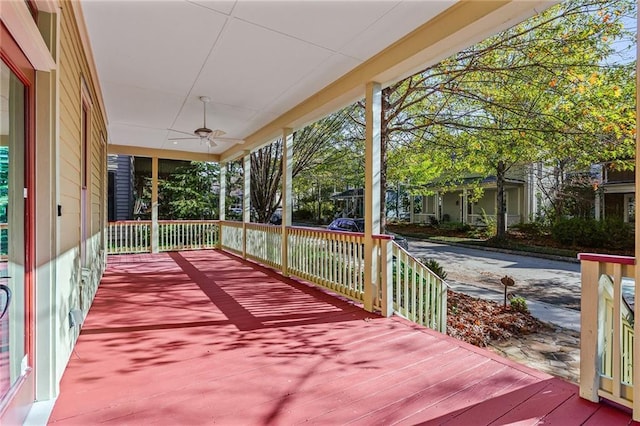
(436, 208)
(222, 200)
(590, 272)
(411, 209)
(246, 200)
(597, 205)
(371, 189)
(465, 214)
(636, 313)
(155, 245)
(287, 161)
(222, 196)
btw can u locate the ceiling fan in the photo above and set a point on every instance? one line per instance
(204, 133)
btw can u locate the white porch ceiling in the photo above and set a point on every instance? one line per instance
(256, 60)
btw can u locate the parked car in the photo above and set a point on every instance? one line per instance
(276, 217)
(347, 224)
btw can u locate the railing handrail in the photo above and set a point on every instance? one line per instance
(607, 258)
(124, 222)
(188, 221)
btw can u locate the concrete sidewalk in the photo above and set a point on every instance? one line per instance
(562, 317)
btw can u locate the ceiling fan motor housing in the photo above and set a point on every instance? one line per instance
(203, 132)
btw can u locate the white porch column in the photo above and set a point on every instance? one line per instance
(287, 190)
(598, 202)
(436, 207)
(636, 342)
(246, 200)
(155, 240)
(411, 209)
(222, 196)
(371, 189)
(465, 211)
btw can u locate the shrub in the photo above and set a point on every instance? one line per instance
(534, 229)
(454, 226)
(519, 304)
(578, 231)
(303, 214)
(610, 233)
(434, 266)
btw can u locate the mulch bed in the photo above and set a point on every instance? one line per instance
(479, 322)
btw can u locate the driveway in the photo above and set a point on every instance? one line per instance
(549, 281)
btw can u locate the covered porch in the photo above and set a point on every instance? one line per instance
(195, 337)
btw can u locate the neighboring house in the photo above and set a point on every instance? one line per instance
(120, 187)
(521, 198)
(617, 195)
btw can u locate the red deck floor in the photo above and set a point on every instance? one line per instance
(204, 338)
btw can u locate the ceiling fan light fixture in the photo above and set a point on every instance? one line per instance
(203, 132)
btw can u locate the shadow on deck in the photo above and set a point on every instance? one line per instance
(202, 337)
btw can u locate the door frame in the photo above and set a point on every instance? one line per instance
(21, 396)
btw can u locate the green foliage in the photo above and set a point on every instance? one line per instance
(519, 304)
(552, 90)
(454, 226)
(188, 193)
(534, 229)
(302, 214)
(610, 233)
(434, 266)
(490, 224)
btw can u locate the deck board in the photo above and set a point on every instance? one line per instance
(203, 337)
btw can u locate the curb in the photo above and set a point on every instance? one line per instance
(498, 250)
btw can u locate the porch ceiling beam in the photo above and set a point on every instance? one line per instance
(167, 154)
(454, 29)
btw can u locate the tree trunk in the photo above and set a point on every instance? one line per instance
(501, 219)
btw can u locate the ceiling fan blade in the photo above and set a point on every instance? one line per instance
(180, 131)
(181, 139)
(217, 133)
(211, 143)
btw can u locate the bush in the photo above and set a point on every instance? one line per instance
(519, 304)
(534, 229)
(578, 231)
(455, 226)
(302, 214)
(617, 233)
(610, 233)
(434, 266)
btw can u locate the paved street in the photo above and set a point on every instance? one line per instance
(548, 281)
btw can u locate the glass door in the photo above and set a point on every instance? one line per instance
(16, 229)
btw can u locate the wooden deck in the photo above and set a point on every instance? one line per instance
(202, 337)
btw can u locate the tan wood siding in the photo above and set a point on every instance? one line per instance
(74, 69)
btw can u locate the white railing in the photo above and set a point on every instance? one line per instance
(334, 260)
(418, 294)
(424, 217)
(264, 244)
(478, 219)
(129, 236)
(330, 259)
(232, 236)
(187, 234)
(607, 341)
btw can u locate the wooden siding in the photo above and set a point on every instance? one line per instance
(74, 69)
(122, 166)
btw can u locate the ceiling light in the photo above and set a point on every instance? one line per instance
(203, 132)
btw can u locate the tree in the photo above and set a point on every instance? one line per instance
(541, 88)
(189, 192)
(314, 147)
